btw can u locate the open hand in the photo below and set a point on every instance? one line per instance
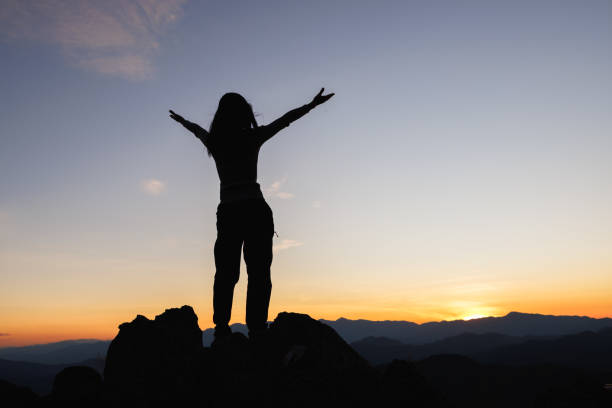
(176, 117)
(320, 98)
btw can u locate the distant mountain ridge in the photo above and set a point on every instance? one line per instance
(61, 352)
(512, 324)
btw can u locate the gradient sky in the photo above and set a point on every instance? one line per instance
(463, 167)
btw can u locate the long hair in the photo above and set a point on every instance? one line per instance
(233, 115)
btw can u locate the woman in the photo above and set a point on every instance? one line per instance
(243, 215)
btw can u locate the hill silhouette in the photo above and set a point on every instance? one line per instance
(588, 350)
(464, 382)
(39, 377)
(379, 350)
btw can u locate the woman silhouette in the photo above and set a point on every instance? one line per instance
(243, 215)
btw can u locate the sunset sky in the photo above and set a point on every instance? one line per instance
(464, 166)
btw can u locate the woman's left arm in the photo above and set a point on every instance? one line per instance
(267, 131)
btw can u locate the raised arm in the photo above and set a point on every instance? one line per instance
(267, 131)
(194, 128)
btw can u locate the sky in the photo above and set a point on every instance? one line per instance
(462, 168)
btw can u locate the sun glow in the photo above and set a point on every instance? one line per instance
(474, 316)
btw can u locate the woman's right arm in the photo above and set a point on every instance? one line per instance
(194, 128)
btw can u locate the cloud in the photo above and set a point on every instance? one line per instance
(129, 66)
(274, 190)
(111, 37)
(286, 244)
(5, 334)
(153, 186)
(316, 204)
(284, 196)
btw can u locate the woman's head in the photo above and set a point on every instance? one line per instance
(234, 113)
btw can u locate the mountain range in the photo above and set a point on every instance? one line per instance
(466, 362)
(512, 324)
(512, 328)
(589, 349)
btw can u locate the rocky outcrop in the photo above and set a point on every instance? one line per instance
(297, 362)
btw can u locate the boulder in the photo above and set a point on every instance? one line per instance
(77, 385)
(12, 395)
(314, 366)
(155, 360)
(302, 342)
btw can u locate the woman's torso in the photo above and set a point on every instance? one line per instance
(236, 161)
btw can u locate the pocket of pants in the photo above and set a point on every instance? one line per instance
(270, 217)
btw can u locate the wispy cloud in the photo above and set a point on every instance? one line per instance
(152, 186)
(286, 244)
(275, 190)
(113, 37)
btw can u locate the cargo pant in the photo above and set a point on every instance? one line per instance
(249, 222)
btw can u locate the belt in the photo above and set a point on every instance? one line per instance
(240, 191)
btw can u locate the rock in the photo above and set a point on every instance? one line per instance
(155, 360)
(403, 385)
(314, 366)
(77, 385)
(297, 362)
(12, 395)
(301, 341)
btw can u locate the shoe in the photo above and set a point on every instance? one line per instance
(222, 334)
(259, 334)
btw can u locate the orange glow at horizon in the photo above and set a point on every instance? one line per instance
(105, 327)
(66, 304)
